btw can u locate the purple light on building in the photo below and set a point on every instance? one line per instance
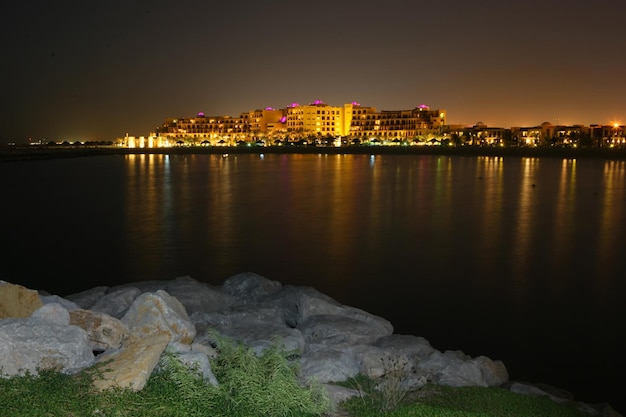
(200, 114)
(423, 107)
(354, 103)
(294, 105)
(269, 108)
(283, 119)
(317, 102)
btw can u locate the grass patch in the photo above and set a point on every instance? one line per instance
(442, 401)
(250, 386)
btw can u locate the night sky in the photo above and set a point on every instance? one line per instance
(95, 71)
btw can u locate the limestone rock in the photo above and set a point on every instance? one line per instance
(261, 337)
(413, 347)
(29, 344)
(104, 331)
(86, 299)
(55, 299)
(456, 369)
(131, 366)
(256, 326)
(194, 356)
(494, 372)
(338, 394)
(17, 301)
(177, 347)
(116, 302)
(197, 296)
(329, 363)
(339, 329)
(159, 313)
(54, 313)
(298, 303)
(248, 287)
(534, 390)
(239, 316)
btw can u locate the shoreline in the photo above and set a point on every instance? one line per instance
(23, 153)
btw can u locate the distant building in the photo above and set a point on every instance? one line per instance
(478, 134)
(548, 134)
(398, 125)
(353, 123)
(317, 121)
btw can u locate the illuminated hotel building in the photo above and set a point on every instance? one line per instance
(396, 124)
(300, 121)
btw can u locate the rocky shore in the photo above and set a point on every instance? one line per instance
(131, 325)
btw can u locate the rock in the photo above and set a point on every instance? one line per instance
(54, 313)
(494, 372)
(198, 297)
(239, 316)
(116, 302)
(50, 299)
(197, 359)
(248, 287)
(257, 326)
(29, 344)
(300, 303)
(531, 389)
(86, 299)
(132, 324)
(104, 331)
(454, 368)
(372, 361)
(262, 337)
(329, 363)
(338, 394)
(413, 347)
(159, 313)
(17, 301)
(131, 366)
(340, 329)
(177, 347)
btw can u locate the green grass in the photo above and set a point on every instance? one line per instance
(250, 386)
(442, 401)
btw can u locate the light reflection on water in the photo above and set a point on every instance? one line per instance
(519, 259)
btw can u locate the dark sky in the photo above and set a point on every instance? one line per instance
(95, 71)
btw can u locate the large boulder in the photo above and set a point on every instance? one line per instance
(415, 348)
(116, 301)
(88, 298)
(104, 332)
(329, 363)
(54, 313)
(131, 366)
(248, 287)
(300, 303)
(17, 301)
(195, 356)
(456, 369)
(159, 313)
(198, 297)
(30, 344)
(257, 326)
(342, 329)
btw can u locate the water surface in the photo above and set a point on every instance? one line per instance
(519, 259)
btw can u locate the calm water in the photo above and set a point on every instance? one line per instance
(519, 259)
